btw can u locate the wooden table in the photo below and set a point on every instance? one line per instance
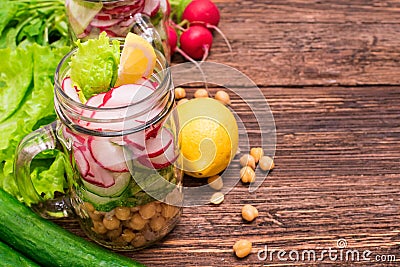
(330, 71)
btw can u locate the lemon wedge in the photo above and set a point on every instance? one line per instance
(138, 60)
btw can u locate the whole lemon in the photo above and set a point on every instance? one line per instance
(208, 137)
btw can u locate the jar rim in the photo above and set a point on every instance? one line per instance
(69, 110)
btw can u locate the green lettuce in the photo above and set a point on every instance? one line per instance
(26, 91)
(94, 66)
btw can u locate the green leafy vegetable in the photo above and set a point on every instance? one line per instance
(94, 67)
(33, 21)
(177, 8)
(26, 91)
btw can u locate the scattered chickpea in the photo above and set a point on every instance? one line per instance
(217, 198)
(247, 175)
(223, 97)
(147, 211)
(242, 248)
(266, 163)
(215, 182)
(257, 153)
(201, 93)
(249, 212)
(247, 160)
(123, 213)
(111, 223)
(182, 101)
(180, 93)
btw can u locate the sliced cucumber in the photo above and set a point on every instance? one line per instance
(121, 183)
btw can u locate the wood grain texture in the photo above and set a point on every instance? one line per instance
(330, 73)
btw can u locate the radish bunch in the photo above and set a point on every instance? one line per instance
(191, 26)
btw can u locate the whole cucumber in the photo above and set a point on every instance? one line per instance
(48, 243)
(11, 258)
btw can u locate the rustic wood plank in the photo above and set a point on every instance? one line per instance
(336, 176)
(296, 43)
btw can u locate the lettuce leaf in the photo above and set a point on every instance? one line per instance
(94, 67)
(31, 103)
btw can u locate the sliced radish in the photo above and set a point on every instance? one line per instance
(108, 155)
(70, 90)
(151, 7)
(103, 16)
(81, 161)
(104, 23)
(146, 82)
(96, 100)
(152, 131)
(167, 158)
(127, 22)
(77, 139)
(159, 144)
(132, 9)
(96, 174)
(137, 140)
(126, 94)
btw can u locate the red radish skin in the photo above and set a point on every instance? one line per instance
(202, 11)
(196, 42)
(172, 39)
(81, 162)
(159, 144)
(96, 174)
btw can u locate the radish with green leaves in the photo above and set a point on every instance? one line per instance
(200, 18)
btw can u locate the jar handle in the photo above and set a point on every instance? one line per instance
(31, 145)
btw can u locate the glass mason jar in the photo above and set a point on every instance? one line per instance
(148, 18)
(123, 183)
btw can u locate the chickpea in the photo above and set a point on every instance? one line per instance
(122, 213)
(266, 163)
(182, 101)
(201, 93)
(147, 211)
(95, 216)
(157, 223)
(168, 211)
(215, 182)
(138, 241)
(247, 175)
(98, 227)
(223, 97)
(89, 207)
(217, 198)
(249, 212)
(158, 207)
(180, 93)
(114, 234)
(242, 248)
(137, 222)
(111, 223)
(247, 160)
(128, 235)
(257, 153)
